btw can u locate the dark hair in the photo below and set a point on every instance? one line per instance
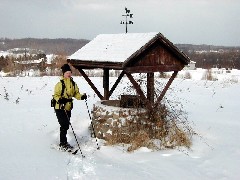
(65, 68)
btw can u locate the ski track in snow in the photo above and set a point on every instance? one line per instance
(80, 168)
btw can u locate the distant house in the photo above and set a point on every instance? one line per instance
(31, 64)
(190, 66)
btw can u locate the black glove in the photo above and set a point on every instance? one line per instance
(62, 100)
(84, 96)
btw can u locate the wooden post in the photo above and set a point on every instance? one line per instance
(150, 87)
(106, 83)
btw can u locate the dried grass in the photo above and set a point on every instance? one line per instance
(208, 75)
(187, 75)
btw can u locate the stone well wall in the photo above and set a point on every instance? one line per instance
(108, 118)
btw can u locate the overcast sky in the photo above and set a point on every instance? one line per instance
(213, 22)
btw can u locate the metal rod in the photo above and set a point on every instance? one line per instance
(74, 136)
(92, 124)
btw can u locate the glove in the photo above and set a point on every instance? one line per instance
(84, 96)
(62, 100)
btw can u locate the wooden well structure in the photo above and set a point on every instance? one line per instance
(132, 53)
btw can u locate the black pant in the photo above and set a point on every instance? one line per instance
(63, 119)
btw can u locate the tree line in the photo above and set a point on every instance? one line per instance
(207, 60)
(63, 46)
(209, 56)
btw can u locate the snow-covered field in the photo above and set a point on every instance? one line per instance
(28, 128)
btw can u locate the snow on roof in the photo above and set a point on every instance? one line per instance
(112, 47)
(30, 61)
(50, 58)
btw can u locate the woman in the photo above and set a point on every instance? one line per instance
(64, 91)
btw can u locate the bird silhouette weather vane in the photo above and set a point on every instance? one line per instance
(126, 22)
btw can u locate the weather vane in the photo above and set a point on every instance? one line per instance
(126, 22)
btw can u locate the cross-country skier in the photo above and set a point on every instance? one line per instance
(64, 91)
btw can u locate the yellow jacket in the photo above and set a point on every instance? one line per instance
(70, 91)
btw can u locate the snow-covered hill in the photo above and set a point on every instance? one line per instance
(29, 127)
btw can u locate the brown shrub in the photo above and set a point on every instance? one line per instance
(161, 127)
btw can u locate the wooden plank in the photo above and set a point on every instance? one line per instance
(165, 88)
(116, 83)
(149, 48)
(139, 91)
(90, 83)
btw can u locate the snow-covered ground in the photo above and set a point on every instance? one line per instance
(29, 127)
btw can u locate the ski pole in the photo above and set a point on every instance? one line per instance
(92, 125)
(75, 152)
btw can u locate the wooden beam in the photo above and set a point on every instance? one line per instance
(90, 83)
(150, 69)
(116, 83)
(139, 91)
(150, 87)
(106, 83)
(95, 64)
(165, 88)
